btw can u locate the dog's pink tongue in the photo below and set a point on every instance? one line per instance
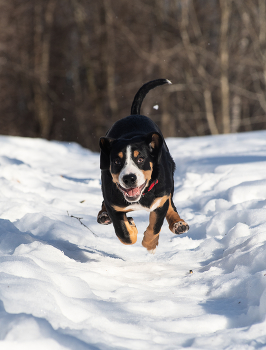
(133, 192)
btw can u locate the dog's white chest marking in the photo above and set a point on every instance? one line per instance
(137, 206)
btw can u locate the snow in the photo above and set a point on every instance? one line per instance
(64, 285)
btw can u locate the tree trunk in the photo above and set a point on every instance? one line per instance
(224, 61)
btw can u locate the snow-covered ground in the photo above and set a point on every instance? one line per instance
(67, 286)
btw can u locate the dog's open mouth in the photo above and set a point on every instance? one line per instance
(132, 194)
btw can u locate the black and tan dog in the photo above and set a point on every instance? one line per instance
(137, 174)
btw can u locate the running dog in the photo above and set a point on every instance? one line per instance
(137, 174)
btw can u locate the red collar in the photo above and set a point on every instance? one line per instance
(151, 186)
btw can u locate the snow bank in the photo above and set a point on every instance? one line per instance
(64, 285)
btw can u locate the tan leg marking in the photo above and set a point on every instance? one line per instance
(172, 217)
(176, 224)
(150, 240)
(132, 230)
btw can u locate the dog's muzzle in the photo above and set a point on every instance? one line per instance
(132, 194)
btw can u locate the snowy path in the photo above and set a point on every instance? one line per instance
(63, 287)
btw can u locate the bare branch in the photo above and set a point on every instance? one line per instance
(79, 219)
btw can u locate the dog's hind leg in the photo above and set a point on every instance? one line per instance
(103, 218)
(176, 224)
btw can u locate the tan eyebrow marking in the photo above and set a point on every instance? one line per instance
(120, 155)
(136, 153)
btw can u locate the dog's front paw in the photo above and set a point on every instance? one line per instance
(180, 227)
(103, 218)
(150, 241)
(152, 251)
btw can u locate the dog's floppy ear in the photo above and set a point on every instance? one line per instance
(105, 144)
(155, 142)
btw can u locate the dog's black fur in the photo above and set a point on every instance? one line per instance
(134, 151)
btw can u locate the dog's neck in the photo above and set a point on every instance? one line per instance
(151, 186)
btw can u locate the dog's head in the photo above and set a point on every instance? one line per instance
(131, 162)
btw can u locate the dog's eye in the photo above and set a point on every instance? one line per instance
(140, 160)
(117, 161)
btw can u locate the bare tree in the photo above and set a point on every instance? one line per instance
(43, 22)
(224, 62)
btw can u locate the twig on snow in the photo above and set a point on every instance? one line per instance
(79, 219)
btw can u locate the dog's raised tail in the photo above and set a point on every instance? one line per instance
(139, 97)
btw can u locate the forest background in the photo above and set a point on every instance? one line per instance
(70, 68)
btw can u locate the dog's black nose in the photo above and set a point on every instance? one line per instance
(130, 179)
